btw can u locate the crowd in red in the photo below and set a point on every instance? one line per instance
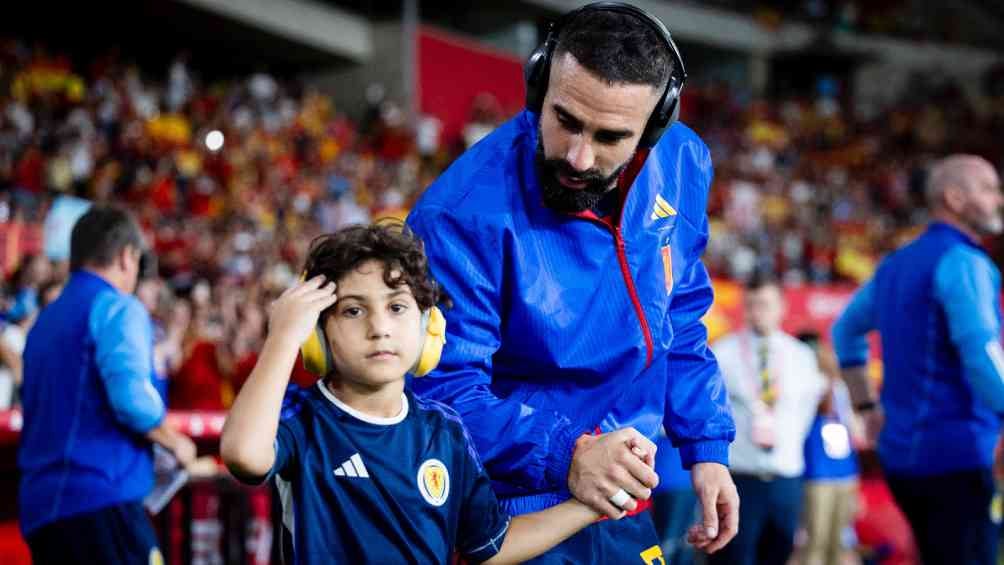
(232, 180)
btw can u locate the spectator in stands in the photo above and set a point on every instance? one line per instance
(774, 386)
(559, 359)
(33, 271)
(936, 305)
(91, 412)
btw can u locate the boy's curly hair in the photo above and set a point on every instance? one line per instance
(389, 242)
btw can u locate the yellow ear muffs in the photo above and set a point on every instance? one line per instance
(434, 325)
(318, 360)
(316, 354)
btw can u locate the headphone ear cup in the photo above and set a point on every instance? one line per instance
(434, 330)
(315, 353)
(534, 73)
(664, 116)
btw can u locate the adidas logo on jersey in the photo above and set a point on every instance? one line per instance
(353, 468)
(661, 208)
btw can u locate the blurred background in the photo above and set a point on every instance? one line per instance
(239, 130)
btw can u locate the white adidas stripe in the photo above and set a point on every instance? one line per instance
(353, 468)
(360, 468)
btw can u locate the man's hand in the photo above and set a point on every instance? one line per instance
(184, 450)
(604, 464)
(719, 507)
(180, 445)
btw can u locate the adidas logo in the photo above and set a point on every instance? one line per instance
(661, 209)
(353, 468)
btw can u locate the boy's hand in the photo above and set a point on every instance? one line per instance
(294, 314)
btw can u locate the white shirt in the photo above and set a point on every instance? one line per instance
(800, 386)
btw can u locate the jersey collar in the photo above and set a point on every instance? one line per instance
(376, 420)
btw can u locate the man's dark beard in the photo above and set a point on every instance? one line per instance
(563, 199)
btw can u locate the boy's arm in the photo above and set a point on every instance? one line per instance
(247, 442)
(530, 535)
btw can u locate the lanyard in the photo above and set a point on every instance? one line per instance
(763, 382)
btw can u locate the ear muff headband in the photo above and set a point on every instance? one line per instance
(537, 71)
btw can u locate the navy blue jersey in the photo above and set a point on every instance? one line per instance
(361, 489)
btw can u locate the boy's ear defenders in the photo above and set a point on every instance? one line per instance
(318, 360)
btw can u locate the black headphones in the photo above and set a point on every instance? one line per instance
(537, 71)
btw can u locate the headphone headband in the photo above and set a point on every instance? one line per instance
(538, 67)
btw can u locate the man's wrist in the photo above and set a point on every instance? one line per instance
(705, 451)
(564, 441)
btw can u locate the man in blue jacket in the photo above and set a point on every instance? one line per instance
(936, 305)
(90, 408)
(570, 241)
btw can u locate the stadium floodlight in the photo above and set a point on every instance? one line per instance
(214, 140)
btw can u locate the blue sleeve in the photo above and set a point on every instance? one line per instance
(698, 418)
(537, 448)
(967, 285)
(123, 338)
(850, 331)
(483, 523)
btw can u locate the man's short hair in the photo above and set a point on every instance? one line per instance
(100, 235)
(616, 47)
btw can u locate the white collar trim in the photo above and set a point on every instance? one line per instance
(369, 419)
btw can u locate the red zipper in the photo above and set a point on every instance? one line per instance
(626, 273)
(623, 185)
(633, 292)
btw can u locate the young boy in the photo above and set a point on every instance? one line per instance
(368, 472)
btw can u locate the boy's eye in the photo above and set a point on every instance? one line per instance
(398, 308)
(352, 312)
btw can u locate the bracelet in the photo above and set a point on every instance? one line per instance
(865, 406)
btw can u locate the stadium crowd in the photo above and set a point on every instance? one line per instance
(232, 180)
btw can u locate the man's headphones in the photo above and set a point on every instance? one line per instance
(537, 71)
(318, 360)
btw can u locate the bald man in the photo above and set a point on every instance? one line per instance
(936, 305)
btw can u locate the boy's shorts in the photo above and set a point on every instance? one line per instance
(115, 534)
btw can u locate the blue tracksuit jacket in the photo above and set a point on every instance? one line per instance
(936, 305)
(564, 324)
(88, 399)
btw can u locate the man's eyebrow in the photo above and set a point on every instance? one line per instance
(615, 134)
(567, 116)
